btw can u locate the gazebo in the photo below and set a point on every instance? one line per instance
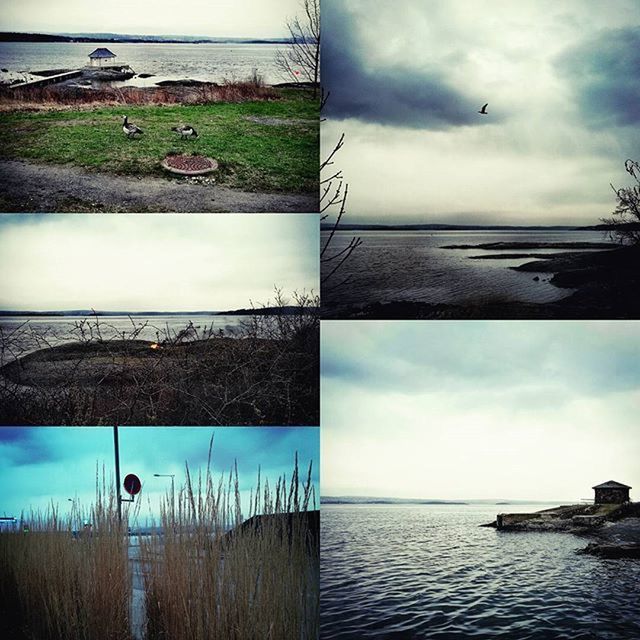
(102, 57)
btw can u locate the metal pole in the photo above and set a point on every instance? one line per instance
(117, 455)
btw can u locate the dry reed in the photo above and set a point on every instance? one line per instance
(62, 580)
(207, 572)
(57, 97)
(213, 576)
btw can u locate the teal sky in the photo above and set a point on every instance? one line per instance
(41, 465)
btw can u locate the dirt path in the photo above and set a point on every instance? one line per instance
(26, 186)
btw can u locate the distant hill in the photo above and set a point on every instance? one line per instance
(75, 313)
(359, 500)
(450, 227)
(475, 227)
(376, 500)
(12, 36)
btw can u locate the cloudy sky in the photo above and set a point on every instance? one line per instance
(44, 464)
(479, 410)
(241, 18)
(161, 262)
(562, 80)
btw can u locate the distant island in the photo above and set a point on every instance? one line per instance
(12, 36)
(75, 313)
(463, 227)
(377, 500)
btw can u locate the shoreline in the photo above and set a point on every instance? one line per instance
(604, 283)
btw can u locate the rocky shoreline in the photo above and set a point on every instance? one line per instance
(615, 527)
(605, 282)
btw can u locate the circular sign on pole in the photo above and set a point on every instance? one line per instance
(132, 484)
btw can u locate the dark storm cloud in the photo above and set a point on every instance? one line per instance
(605, 73)
(483, 356)
(21, 446)
(394, 95)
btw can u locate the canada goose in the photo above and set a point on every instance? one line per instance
(483, 111)
(185, 131)
(130, 129)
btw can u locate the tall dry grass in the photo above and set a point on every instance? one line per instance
(59, 581)
(207, 572)
(55, 97)
(211, 575)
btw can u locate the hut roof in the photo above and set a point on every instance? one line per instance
(611, 484)
(102, 52)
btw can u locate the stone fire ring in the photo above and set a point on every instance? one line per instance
(189, 165)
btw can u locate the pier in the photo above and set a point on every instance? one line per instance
(47, 80)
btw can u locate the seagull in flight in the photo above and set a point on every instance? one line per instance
(483, 111)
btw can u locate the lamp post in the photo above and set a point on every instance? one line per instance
(173, 494)
(116, 448)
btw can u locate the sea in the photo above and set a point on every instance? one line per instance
(413, 266)
(208, 62)
(20, 335)
(429, 571)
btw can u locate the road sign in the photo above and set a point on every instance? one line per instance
(132, 484)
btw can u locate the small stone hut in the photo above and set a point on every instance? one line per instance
(611, 492)
(102, 57)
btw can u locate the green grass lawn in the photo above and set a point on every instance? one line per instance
(252, 156)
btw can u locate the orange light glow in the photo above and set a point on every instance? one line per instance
(155, 345)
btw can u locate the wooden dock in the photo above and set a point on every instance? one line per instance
(43, 82)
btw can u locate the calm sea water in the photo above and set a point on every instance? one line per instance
(207, 62)
(412, 266)
(27, 334)
(430, 572)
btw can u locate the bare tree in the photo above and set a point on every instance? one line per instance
(625, 220)
(301, 60)
(333, 202)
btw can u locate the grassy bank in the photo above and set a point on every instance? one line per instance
(261, 145)
(266, 375)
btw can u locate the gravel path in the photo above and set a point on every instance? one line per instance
(59, 188)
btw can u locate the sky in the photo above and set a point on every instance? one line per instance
(479, 410)
(154, 262)
(562, 80)
(41, 465)
(239, 18)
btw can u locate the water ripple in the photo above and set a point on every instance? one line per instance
(412, 266)
(431, 572)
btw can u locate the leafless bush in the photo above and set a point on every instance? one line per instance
(334, 192)
(625, 221)
(263, 373)
(300, 61)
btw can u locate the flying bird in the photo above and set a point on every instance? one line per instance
(129, 128)
(483, 111)
(185, 131)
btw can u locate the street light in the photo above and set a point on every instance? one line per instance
(173, 494)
